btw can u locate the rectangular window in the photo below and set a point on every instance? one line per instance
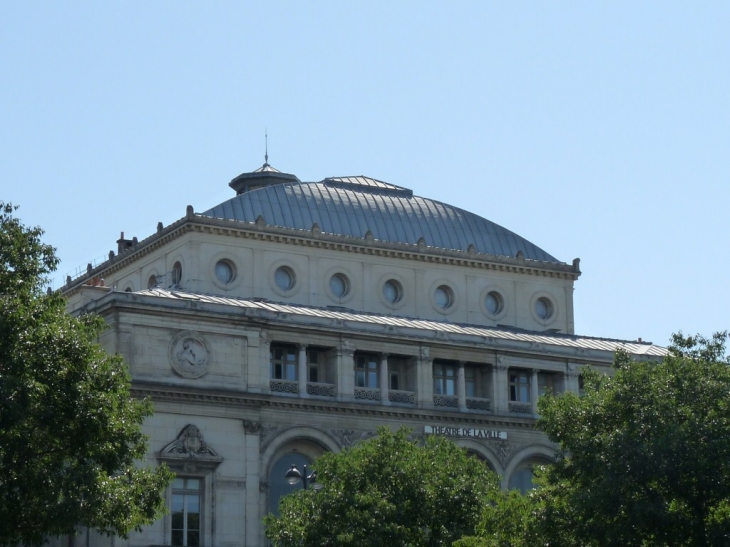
(519, 386)
(186, 512)
(283, 362)
(366, 370)
(313, 356)
(471, 378)
(444, 379)
(545, 383)
(397, 372)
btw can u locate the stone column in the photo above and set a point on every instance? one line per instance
(346, 371)
(384, 384)
(500, 386)
(534, 391)
(461, 386)
(259, 376)
(253, 526)
(571, 378)
(302, 370)
(424, 379)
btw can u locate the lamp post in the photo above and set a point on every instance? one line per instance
(293, 476)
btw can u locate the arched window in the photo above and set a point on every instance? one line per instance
(278, 485)
(522, 477)
(177, 274)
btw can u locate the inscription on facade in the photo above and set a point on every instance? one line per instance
(472, 432)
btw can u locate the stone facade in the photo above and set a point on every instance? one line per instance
(264, 345)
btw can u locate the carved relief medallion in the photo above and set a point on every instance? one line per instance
(189, 354)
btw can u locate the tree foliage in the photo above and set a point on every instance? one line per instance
(644, 458)
(69, 429)
(387, 491)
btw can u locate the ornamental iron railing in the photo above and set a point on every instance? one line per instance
(320, 389)
(284, 386)
(399, 396)
(475, 403)
(446, 400)
(520, 408)
(367, 394)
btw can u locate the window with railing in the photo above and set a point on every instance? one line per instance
(366, 370)
(519, 386)
(283, 362)
(444, 379)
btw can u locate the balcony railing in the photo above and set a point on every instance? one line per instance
(367, 393)
(319, 389)
(403, 397)
(284, 386)
(477, 403)
(446, 400)
(520, 408)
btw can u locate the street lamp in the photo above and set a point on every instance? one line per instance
(293, 476)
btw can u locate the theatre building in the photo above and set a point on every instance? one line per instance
(297, 317)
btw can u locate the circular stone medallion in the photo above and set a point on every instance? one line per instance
(189, 354)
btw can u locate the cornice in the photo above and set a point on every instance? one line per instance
(254, 401)
(314, 238)
(303, 324)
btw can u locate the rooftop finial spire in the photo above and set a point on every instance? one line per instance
(266, 155)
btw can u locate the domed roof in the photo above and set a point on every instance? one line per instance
(352, 206)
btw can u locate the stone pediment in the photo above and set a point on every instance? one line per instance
(188, 450)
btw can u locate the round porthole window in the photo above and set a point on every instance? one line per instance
(284, 278)
(494, 303)
(224, 271)
(543, 308)
(392, 291)
(339, 285)
(443, 296)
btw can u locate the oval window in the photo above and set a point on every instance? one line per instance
(443, 296)
(543, 308)
(493, 302)
(339, 285)
(284, 278)
(224, 271)
(392, 291)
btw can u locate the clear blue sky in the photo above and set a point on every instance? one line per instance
(598, 130)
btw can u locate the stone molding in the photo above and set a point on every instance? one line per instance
(258, 401)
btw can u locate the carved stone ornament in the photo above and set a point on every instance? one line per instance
(251, 427)
(189, 450)
(189, 354)
(348, 437)
(503, 449)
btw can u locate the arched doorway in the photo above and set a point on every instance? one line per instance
(278, 485)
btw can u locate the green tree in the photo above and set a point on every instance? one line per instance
(644, 458)
(69, 429)
(387, 491)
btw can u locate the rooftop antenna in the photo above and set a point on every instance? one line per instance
(266, 155)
